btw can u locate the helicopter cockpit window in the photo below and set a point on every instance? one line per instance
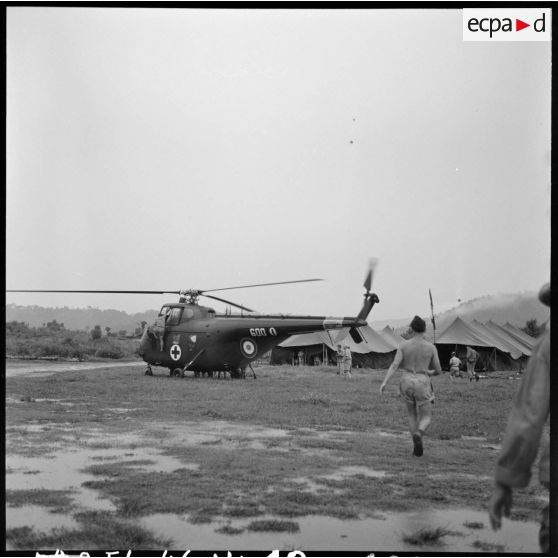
(164, 311)
(174, 316)
(187, 314)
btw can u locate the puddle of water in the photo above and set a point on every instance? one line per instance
(386, 434)
(341, 474)
(351, 471)
(224, 433)
(63, 470)
(58, 401)
(121, 409)
(326, 533)
(42, 427)
(58, 472)
(35, 516)
(493, 447)
(313, 487)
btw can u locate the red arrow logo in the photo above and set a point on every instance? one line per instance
(519, 25)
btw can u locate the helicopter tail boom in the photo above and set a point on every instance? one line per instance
(369, 300)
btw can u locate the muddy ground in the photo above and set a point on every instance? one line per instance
(299, 458)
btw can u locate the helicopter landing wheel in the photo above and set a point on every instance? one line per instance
(177, 373)
(149, 371)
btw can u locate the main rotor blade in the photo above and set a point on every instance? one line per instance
(100, 292)
(261, 285)
(228, 302)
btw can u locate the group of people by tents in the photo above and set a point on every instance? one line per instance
(495, 347)
(375, 351)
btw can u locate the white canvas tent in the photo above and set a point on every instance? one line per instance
(496, 352)
(373, 352)
(391, 337)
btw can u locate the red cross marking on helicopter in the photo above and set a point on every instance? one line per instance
(175, 352)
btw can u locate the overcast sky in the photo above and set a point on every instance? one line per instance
(172, 149)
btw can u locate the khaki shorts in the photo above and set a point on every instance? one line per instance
(416, 388)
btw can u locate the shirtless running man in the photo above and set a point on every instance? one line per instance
(416, 357)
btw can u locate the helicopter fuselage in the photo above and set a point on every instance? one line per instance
(192, 337)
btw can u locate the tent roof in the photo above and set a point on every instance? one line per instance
(526, 348)
(373, 341)
(489, 335)
(520, 334)
(391, 337)
(459, 332)
(500, 342)
(307, 339)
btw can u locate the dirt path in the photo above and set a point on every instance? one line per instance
(46, 368)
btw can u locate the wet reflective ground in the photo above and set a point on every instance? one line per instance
(383, 534)
(73, 454)
(64, 468)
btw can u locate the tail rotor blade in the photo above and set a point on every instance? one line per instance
(372, 264)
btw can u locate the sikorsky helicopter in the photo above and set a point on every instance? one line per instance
(188, 336)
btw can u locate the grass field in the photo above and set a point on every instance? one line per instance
(111, 458)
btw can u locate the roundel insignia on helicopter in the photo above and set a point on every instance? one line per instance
(175, 352)
(248, 347)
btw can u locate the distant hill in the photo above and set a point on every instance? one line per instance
(79, 318)
(515, 308)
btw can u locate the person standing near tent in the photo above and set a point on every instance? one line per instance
(455, 365)
(416, 357)
(340, 354)
(347, 361)
(472, 357)
(526, 421)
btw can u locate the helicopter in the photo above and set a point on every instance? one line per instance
(187, 336)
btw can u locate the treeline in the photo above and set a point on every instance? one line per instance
(533, 328)
(79, 318)
(53, 340)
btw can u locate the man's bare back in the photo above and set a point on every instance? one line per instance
(418, 355)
